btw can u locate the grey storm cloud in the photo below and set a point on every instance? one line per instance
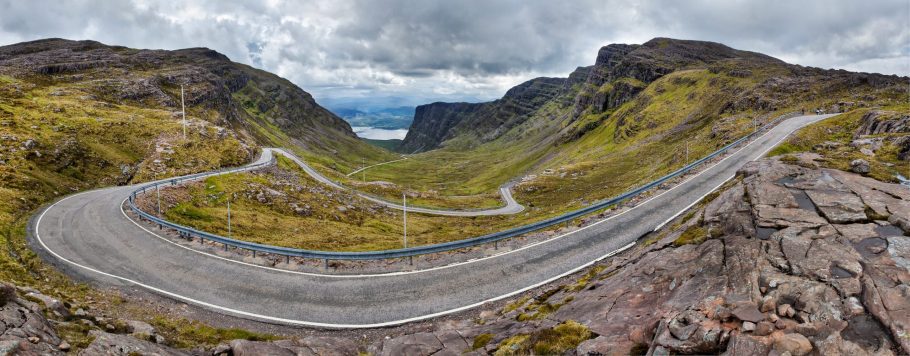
(466, 50)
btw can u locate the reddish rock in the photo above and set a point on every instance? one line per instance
(795, 344)
(748, 312)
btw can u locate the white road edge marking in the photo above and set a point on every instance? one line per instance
(302, 322)
(374, 325)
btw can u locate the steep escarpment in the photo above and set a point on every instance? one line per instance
(476, 123)
(433, 122)
(619, 73)
(652, 103)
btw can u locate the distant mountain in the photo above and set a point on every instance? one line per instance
(383, 118)
(438, 122)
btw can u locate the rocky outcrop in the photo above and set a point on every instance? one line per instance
(619, 67)
(883, 127)
(23, 328)
(876, 122)
(434, 122)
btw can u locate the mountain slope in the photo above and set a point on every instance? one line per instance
(619, 72)
(76, 115)
(477, 123)
(260, 107)
(627, 119)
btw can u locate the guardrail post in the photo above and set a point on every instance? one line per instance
(254, 253)
(325, 264)
(288, 259)
(411, 260)
(496, 245)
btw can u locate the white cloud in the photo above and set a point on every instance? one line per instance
(466, 50)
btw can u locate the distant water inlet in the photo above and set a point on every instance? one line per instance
(379, 134)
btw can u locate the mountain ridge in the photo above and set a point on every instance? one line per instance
(236, 91)
(619, 73)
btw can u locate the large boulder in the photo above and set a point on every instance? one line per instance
(793, 344)
(860, 166)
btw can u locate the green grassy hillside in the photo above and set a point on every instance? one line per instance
(81, 115)
(391, 145)
(629, 122)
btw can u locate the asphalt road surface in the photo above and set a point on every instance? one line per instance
(89, 237)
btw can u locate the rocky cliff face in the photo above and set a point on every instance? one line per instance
(434, 122)
(739, 83)
(619, 73)
(482, 122)
(247, 99)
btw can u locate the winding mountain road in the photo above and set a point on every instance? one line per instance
(88, 236)
(511, 207)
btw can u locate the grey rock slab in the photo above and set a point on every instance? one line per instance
(124, 345)
(838, 207)
(329, 346)
(748, 312)
(256, 348)
(899, 249)
(767, 193)
(424, 343)
(769, 216)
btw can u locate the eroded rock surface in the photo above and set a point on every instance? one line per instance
(802, 261)
(806, 260)
(23, 328)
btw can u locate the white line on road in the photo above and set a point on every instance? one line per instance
(373, 325)
(303, 322)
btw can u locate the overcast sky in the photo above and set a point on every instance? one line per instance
(389, 53)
